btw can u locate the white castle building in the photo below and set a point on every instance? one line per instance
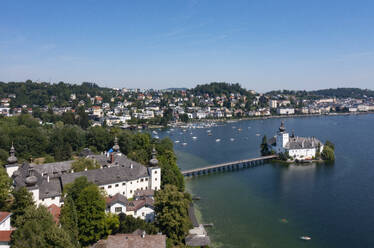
(117, 175)
(301, 148)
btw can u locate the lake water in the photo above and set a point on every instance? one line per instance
(273, 205)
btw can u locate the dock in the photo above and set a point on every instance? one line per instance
(228, 166)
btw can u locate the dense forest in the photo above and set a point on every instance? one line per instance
(219, 88)
(46, 94)
(63, 141)
(326, 93)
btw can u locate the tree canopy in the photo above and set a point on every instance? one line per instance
(5, 190)
(84, 212)
(22, 200)
(36, 228)
(172, 218)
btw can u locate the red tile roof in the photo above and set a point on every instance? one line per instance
(4, 215)
(55, 211)
(5, 236)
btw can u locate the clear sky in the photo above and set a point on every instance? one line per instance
(263, 44)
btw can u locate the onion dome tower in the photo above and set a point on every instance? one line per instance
(116, 147)
(12, 157)
(31, 180)
(153, 162)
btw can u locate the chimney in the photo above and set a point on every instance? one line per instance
(131, 166)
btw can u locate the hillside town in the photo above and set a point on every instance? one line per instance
(127, 108)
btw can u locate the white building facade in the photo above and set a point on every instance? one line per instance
(300, 148)
(117, 175)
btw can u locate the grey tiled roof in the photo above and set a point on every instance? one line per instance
(132, 241)
(122, 169)
(109, 175)
(54, 168)
(303, 143)
(117, 198)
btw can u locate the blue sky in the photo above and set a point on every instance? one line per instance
(262, 45)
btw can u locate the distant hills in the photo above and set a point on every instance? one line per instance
(42, 94)
(325, 93)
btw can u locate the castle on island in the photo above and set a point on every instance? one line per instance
(300, 148)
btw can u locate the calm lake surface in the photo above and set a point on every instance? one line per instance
(273, 205)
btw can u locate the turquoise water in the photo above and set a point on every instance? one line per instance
(273, 205)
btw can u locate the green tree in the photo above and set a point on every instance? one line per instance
(91, 215)
(171, 173)
(264, 147)
(112, 223)
(69, 220)
(5, 189)
(330, 144)
(84, 163)
(86, 200)
(36, 228)
(172, 218)
(22, 199)
(183, 117)
(128, 224)
(328, 153)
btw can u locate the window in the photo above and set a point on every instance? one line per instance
(146, 179)
(137, 181)
(53, 198)
(123, 183)
(146, 187)
(118, 209)
(130, 191)
(141, 188)
(141, 180)
(155, 172)
(130, 182)
(116, 185)
(109, 186)
(143, 214)
(156, 179)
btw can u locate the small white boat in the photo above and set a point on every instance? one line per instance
(177, 141)
(218, 140)
(257, 134)
(156, 137)
(232, 139)
(194, 137)
(307, 238)
(209, 134)
(154, 132)
(184, 144)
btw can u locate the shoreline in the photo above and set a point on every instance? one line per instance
(221, 120)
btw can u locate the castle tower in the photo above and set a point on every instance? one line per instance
(12, 160)
(116, 147)
(282, 138)
(153, 162)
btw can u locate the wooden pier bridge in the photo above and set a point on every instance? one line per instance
(234, 165)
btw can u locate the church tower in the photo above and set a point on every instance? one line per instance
(282, 138)
(12, 165)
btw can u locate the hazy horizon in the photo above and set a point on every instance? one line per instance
(262, 45)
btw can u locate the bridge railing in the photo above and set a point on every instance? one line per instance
(222, 165)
